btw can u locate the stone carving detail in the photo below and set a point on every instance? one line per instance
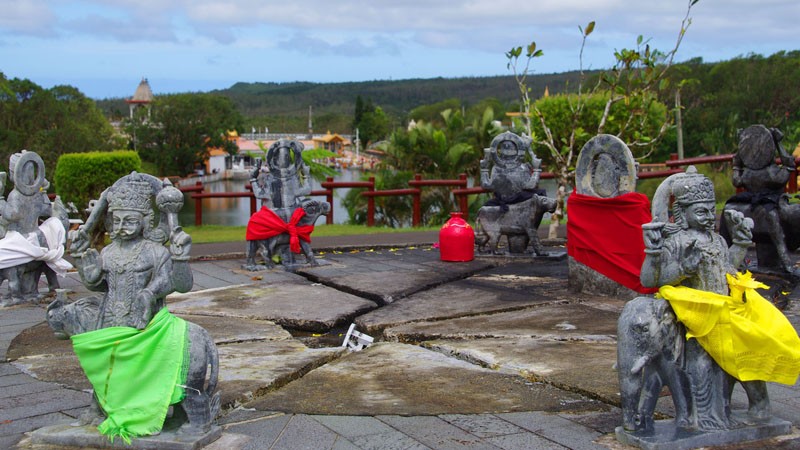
(282, 188)
(133, 275)
(29, 249)
(518, 206)
(652, 350)
(777, 223)
(605, 168)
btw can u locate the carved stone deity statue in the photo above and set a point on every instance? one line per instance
(732, 333)
(286, 219)
(518, 206)
(286, 180)
(762, 168)
(127, 327)
(29, 249)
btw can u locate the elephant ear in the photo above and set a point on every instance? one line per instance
(675, 335)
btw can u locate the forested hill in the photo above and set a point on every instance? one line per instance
(395, 97)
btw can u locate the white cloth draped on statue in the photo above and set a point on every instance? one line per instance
(16, 249)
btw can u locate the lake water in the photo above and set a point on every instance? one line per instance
(236, 211)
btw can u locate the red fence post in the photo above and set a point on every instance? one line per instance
(416, 218)
(198, 211)
(463, 204)
(329, 198)
(371, 204)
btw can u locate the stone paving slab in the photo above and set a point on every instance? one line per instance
(577, 366)
(434, 432)
(249, 369)
(556, 428)
(291, 304)
(386, 276)
(391, 378)
(550, 321)
(490, 291)
(227, 330)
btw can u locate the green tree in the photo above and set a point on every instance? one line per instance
(179, 130)
(636, 79)
(370, 121)
(50, 122)
(442, 150)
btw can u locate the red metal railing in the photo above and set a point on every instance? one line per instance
(460, 193)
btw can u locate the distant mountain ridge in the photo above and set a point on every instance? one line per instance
(396, 97)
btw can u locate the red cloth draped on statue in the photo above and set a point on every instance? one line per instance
(265, 224)
(605, 234)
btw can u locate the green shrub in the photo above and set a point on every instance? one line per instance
(80, 177)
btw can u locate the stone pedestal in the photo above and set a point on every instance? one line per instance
(87, 436)
(668, 437)
(586, 280)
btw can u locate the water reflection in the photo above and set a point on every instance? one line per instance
(236, 211)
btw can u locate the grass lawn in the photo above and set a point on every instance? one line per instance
(219, 233)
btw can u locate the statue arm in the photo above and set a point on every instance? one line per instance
(484, 166)
(305, 188)
(90, 268)
(536, 172)
(13, 208)
(779, 174)
(742, 236)
(662, 265)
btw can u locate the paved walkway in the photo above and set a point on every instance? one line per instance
(27, 403)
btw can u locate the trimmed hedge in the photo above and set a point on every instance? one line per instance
(80, 177)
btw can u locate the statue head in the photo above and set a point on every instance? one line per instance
(508, 149)
(284, 155)
(26, 170)
(694, 201)
(131, 208)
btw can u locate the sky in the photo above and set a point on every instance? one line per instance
(105, 47)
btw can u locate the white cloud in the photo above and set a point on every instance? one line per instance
(26, 17)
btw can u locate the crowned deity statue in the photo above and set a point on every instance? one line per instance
(726, 331)
(136, 271)
(126, 332)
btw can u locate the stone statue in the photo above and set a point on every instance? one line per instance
(280, 187)
(29, 249)
(763, 179)
(697, 273)
(296, 233)
(282, 190)
(517, 207)
(127, 327)
(604, 230)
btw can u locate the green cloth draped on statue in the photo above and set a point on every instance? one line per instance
(136, 374)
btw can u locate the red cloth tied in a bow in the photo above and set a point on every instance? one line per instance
(605, 234)
(265, 224)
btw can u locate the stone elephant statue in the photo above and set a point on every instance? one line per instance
(201, 403)
(652, 352)
(267, 247)
(649, 356)
(520, 223)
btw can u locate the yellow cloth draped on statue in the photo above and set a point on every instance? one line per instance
(744, 333)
